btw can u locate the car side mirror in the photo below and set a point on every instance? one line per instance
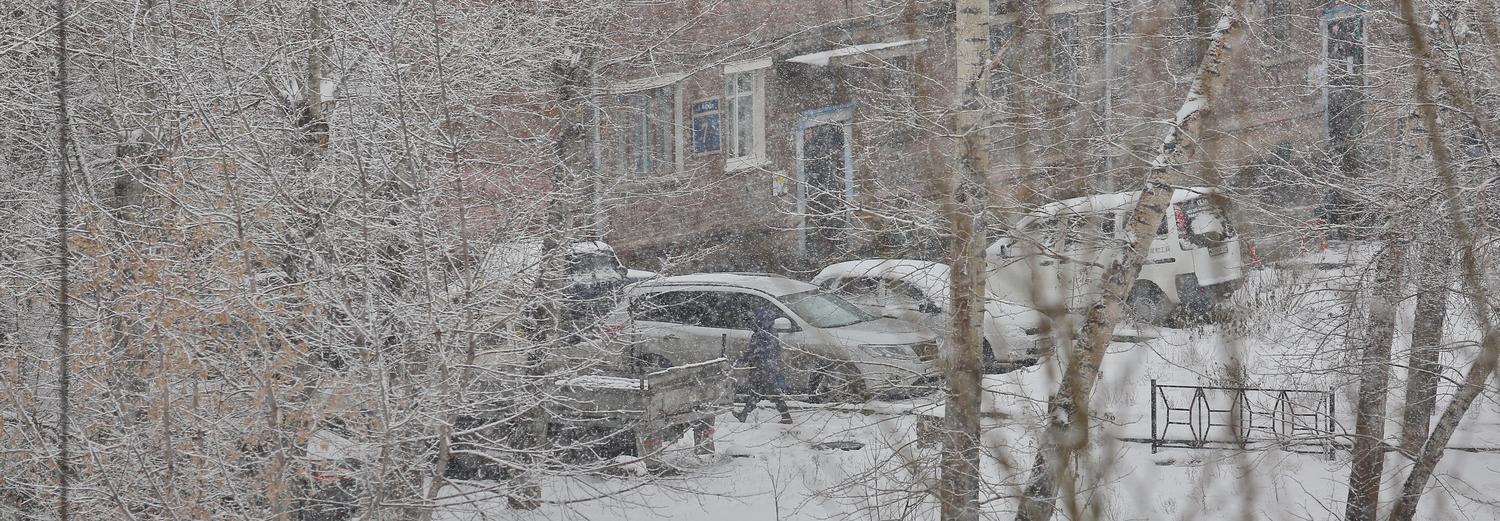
(781, 325)
(1006, 248)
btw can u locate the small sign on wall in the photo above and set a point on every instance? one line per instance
(779, 183)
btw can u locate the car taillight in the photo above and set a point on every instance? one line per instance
(1182, 221)
(613, 329)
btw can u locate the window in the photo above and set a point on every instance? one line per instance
(1001, 76)
(674, 307)
(706, 126)
(904, 294)
(1344, 62)
(744, 108)
(1200, 223)
(1067, 53)
(1075, 236)
(825, 310)
(904, 106)
(649, 139)
(862, 291)
(1279, 19)
(1049, 233)
(728, 310)
(1194, 20)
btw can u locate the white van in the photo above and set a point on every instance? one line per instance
(1058, 254)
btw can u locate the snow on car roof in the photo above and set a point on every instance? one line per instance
(931, 278)
(596, 381)
(776, 285)
(1115, 201)
(589, 247)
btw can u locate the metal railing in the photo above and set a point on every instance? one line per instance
(1197, 416)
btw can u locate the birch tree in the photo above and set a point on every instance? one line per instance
(964, 208)
(1067, 410)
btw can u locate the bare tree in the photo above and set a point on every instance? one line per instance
(964, 208)
(1469, 276)
(1067, 410)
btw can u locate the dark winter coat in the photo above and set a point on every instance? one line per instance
(764, 356)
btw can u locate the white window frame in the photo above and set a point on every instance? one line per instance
(730, 113)
(637, 87)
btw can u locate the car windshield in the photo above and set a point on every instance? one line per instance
(823, 310)
(595, 264)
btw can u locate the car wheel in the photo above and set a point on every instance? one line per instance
(1148, 305)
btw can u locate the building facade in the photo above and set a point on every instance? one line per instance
(767, 137)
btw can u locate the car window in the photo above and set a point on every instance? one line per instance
(903, 293)
(1077, 234)
(676, 307)
(860, 290)
(592, 263)
(822, 309)
(1048, 231)
(1204, 221)
(854, 286)
(727, 310)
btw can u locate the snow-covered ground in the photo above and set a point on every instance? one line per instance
(1287, 339)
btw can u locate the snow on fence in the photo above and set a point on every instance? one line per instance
(1197, 416)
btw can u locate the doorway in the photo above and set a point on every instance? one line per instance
(826, 177)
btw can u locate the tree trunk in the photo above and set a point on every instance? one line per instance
(1469, 275)
(64, 329)
(1067, 410)
(1367, 459)
(958, 490)
(1426, 343)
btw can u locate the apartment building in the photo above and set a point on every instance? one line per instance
(758, 135)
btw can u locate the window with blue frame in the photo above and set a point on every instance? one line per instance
(706, 126)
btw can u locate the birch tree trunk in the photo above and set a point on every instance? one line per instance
(1367, 459)
(1469, 277)
(965, 206)
(1067, 410)
(1426, 342)
(63, 218)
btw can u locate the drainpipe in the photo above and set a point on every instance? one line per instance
(601, 219)
(1107, 183)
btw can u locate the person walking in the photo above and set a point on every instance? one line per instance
(764, 355)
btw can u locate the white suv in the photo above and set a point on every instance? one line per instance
(832, 350)
(917, 291)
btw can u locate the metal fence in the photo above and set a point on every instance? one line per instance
(1197, 416)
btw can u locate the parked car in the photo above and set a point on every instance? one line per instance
(587, 268)
(1058, 252)
(918, 291)
(598, 412)
(510, 282)
(834, 349)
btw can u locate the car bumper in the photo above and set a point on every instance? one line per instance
(895, 376)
